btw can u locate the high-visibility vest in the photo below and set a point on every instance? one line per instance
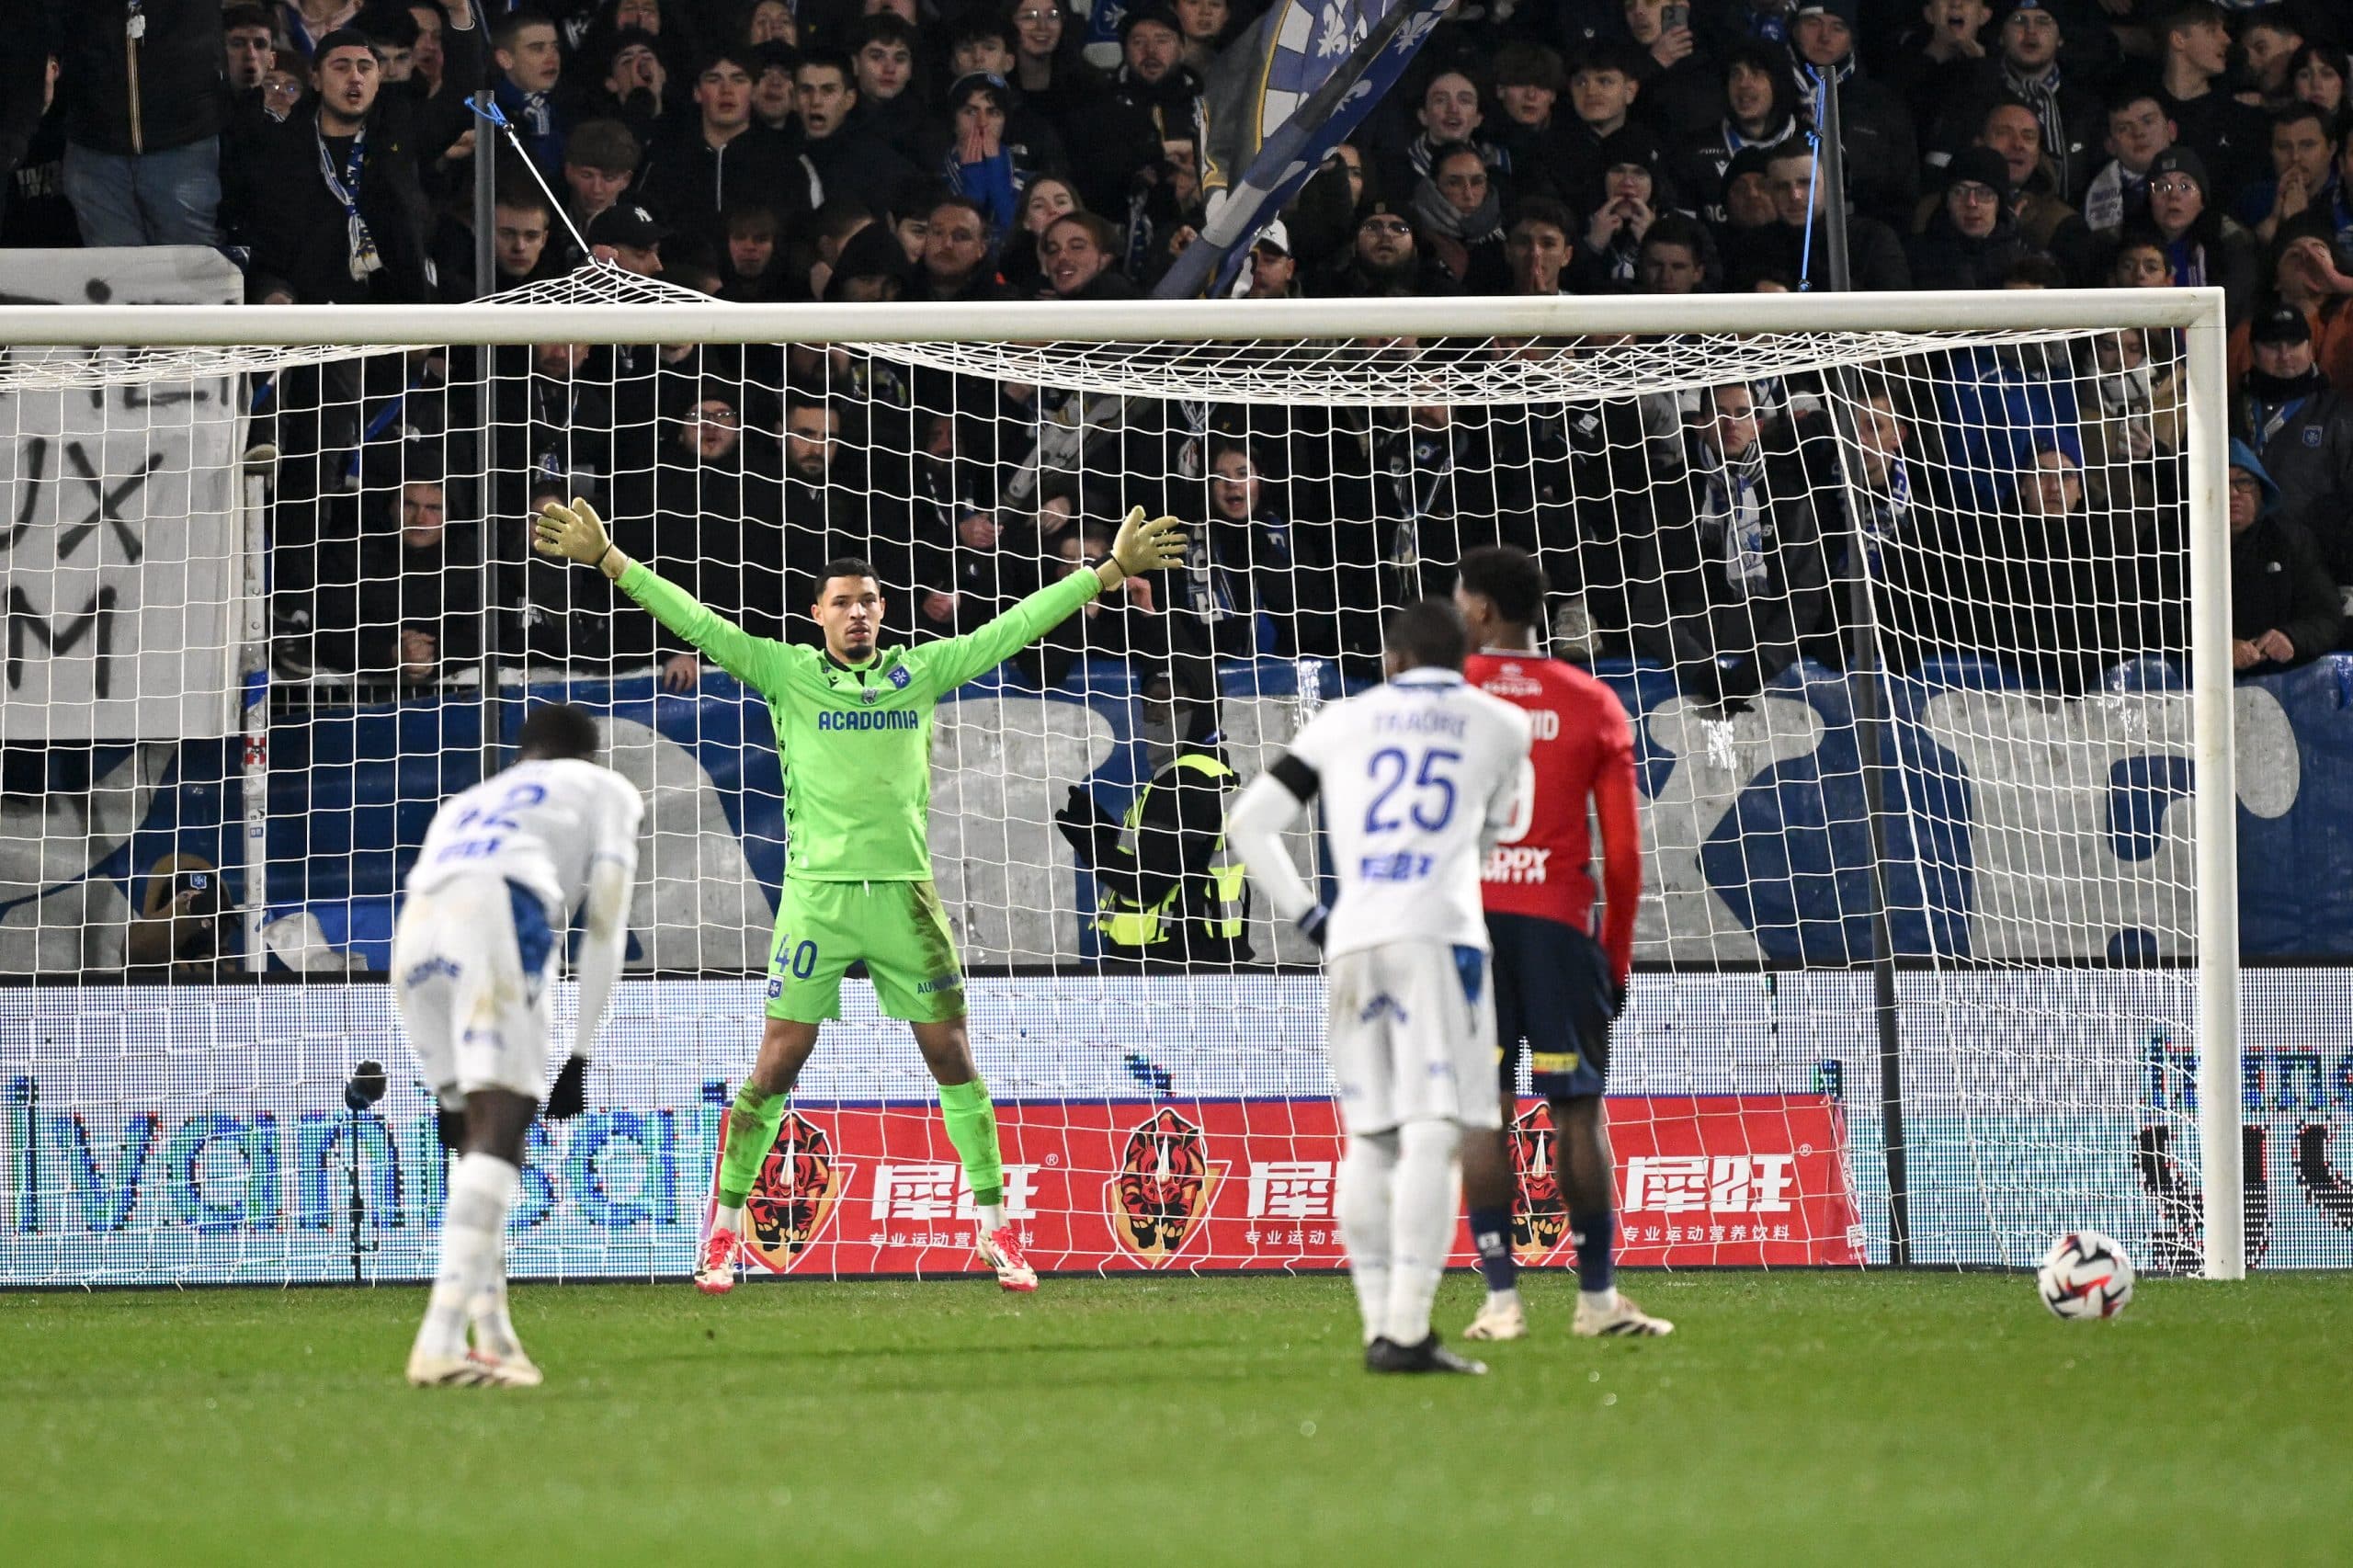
(1122, 923)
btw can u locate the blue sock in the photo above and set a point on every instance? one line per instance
(1491, 1234)
(1594, 1236)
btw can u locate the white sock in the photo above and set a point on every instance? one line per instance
(1362, 1205)
(474, 1223)
(990, 1216)
(724, 1218)
(1503, 1300)
(1599, 1300)
(1422, 1226)
(493, 1329)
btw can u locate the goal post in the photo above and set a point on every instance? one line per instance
(2033, 938)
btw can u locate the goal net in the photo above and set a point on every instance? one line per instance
(1912, 612)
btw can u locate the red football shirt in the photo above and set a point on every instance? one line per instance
(1583, 749)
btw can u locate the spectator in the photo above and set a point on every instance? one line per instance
(1680, 85)
(1630, 202)
(1760, 113)
(873, 265)
(328, 203)
(770, 21)
(756, 270)
(2070, 116)
(2045, 223)
(847, 161)
(1739, 570)
(1874, 255)
(635, 89)
(142, 130)
(2142, 259)
(1273, 272)
(1942, 58)
(2308, 276)
(1461, 220)
(1539, 251)
(1235, 592)
(2269, 39)
(2304, 151)
(2287, 414)
(1174, 900)
(692, 174)
(1076, 255)
(882, 56)
(1679, 258)
(981, 45)
(1529, 85)
(1387, 260)
(1207, 27)
(2195, 48)
(974, 580)
(1048, 70)
(2138, 131)
(2320, 73)
(629, 238)
(1883, 150)
(529, 65)
(446, 62)
(182, 924)
(306, 23)
(1449, 113)
(252, 50)
(772, 68)
(34, 212)
(1604, 81)
(713, 528)
(981, 164)
(1045, 199)
(956, 255)
(419, 617)
(2202, 246)
(1971, 239)
(2285, 609)
(1151, 119)
(601, 162)
(2133, 410)
(521, 226)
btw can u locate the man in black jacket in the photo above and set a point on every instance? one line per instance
(1883, 148)
(1874, 255)
(2303, 431)
(2284, 609)
(329, 204)
(724, 158)
(142, 151)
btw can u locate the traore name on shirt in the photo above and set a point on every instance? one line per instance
(1418, 722)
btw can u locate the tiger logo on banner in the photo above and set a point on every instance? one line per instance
(1540, 1215)
(1162, 1192)
(795, 1194)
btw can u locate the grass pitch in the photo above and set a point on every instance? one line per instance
(1795, 1418)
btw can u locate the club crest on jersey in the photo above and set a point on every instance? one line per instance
(1539, 1213)
(868, 695)
(793, 1198)
(900, 677)
(1162, 1192)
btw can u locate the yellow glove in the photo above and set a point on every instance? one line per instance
(571, 533)
(1147, 546)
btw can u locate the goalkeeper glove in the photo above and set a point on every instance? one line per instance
(571, 533)
(1144, 546)
(1312, 923)
(569, 1095)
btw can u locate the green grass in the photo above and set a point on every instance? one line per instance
(1793, 1418)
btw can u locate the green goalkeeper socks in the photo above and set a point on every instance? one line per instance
(972, 1127)
(751, 1131)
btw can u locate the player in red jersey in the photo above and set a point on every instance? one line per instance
(1557, 987)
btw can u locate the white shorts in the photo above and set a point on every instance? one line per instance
(1413, 1035)
(470, 971)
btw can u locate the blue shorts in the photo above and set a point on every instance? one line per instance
(1553, 990)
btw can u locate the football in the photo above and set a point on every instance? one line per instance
(2086, 1274)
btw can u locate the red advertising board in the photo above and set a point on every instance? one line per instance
(852, 1190)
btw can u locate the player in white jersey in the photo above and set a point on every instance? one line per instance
(1418, 776)
(495, 883)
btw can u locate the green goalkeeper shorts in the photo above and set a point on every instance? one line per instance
(896, 929)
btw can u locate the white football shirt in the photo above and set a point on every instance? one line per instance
(1417, 776)
(540, 824)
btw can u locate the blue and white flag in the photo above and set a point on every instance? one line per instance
(1328, 62)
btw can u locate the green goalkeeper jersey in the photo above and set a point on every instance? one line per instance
(855, 739)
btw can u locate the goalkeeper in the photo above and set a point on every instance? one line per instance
(853, 724)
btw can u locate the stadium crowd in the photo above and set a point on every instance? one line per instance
(2024, 502)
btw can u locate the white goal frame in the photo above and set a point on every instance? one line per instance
(2197, 314)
